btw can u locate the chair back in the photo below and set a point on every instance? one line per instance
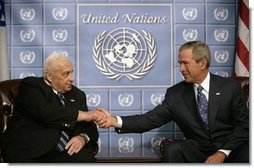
(8, 93)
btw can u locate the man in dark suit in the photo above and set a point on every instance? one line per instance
(40, 118)
(223, 135)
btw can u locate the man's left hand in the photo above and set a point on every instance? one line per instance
(75, 145)
(218, 157)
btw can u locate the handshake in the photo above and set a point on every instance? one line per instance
(100, 116)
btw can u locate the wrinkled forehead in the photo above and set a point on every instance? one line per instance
(60, 64)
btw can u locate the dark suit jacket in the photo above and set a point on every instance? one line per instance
(38, 117)
(228, 115)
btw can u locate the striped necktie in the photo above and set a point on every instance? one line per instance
(64, 137)
(61, 98)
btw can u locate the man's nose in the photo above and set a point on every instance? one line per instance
(71, 77)
(182, 68)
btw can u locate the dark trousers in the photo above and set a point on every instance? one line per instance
(186, 151)
(54, 156)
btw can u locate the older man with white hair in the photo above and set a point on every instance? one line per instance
(50, 121)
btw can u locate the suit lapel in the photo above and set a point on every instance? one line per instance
(189, 97)
(214, 99)
(190, 101)
(69, 100)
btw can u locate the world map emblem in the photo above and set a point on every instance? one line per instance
(124, 52)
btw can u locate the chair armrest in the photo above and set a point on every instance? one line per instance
(164, 142)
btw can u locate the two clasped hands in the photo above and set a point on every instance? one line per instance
(104, 119)
(100, 116)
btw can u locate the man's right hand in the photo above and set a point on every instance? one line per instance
(93, 115)
(107, 121)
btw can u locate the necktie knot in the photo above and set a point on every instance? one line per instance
(199, 88)
(61, 98)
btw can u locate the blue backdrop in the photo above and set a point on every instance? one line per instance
(124, 52)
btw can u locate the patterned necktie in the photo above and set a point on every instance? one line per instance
(64, 137)
(202, 105)
(61, 98)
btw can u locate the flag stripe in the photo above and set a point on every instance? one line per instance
(242, 44)
(240, 68)
(244, 12)
(242, 52)
(244, 34)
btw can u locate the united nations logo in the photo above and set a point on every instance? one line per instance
(222, 73)
(221, 35)
(157, 98)
(221, 56)
(26, 74)
(93, 99)
(59, 35)
(59, 13)
(124, 52)
(125, 99)
(220, 14)
(126, 144)
(189, 13)
(27, 57)
(190, 34)
(63, 52)
(27, 14)
(155, 143)
(27, 35)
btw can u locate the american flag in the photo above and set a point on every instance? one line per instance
(4, 65)
(242, 45)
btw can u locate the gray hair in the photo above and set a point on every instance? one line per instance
(51, 61)
(200, 51)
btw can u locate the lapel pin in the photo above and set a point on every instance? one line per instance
(217, 94)
(72, 100)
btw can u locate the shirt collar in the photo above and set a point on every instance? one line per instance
(205, 84)
(50, 86)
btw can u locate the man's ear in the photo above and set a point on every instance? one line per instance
(48, 77)
(203, 63)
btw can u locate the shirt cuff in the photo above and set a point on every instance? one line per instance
(226, 152)
(119, 122)
(88, 139)
(85, 137)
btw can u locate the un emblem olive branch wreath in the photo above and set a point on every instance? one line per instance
(105, 70)
(150, 60)
(98, 58)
